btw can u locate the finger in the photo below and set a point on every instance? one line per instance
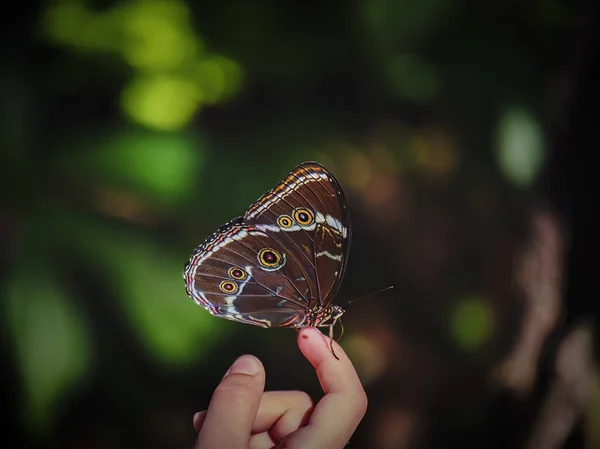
(198, 420)
(339, 412)
(233, 406)
(282, 412)
(262, 441)
(279, 414)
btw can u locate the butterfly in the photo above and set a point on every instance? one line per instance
(280, 264)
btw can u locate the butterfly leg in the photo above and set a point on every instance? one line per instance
(342, 334)
(331, 340)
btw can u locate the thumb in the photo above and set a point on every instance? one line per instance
(233, 406)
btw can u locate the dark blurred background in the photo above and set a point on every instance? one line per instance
(462, 132)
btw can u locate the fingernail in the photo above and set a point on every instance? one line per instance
(195, 416)
(246, 364)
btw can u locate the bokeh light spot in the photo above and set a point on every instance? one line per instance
(159, 36)
(155, 167)
(436, 151)
(219, 78)
(359, 171)
(520, 147)
(164, 166)
(162, 102)
(472, 323)
(63, 21)
(412, 78)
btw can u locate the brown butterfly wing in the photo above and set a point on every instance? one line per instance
(231, 276)
(284, 259)
(309, 214)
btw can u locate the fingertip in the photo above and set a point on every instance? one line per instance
(316, 347)
(246, 364)
(235, 400)
(306, 332)
(309, 335)
(334, 374)
(198, 420)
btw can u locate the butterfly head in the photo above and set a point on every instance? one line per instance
(325, 317)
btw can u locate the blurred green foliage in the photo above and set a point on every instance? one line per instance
(145, 124)
(161, 167)
(50, 338)
(173, 74)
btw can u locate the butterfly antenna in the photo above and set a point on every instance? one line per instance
(367, 295)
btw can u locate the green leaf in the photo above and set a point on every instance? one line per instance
(162, 166)
(50, 338)
(150, 290)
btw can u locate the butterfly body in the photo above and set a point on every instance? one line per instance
(282, 262)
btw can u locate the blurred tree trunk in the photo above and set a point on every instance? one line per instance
(568, 185)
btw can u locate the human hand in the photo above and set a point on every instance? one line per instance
(241, 415)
